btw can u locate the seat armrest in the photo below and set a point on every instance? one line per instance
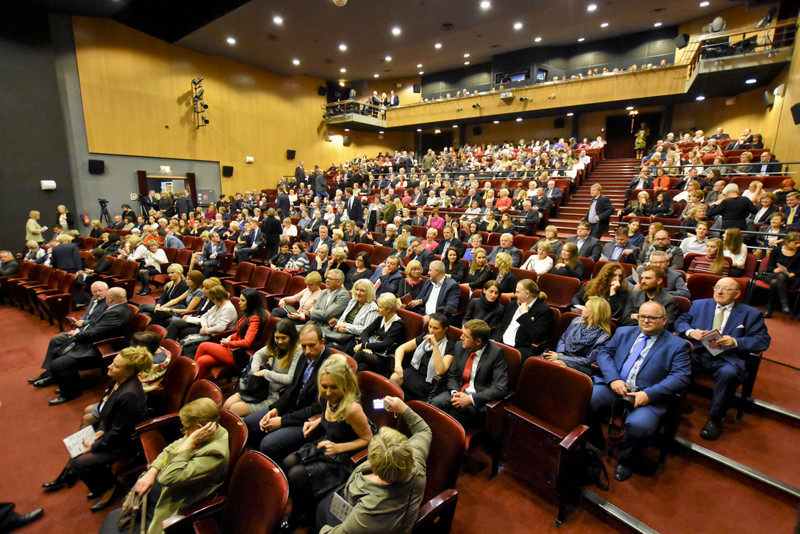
(206, 526)
(359, 457)
(441, 508)
(575, 438)
(217, 337)
(118, 341)
(184, 519)
(156, 423)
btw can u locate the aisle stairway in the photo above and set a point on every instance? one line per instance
(614, 175)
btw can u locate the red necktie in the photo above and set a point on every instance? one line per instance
(467, 371)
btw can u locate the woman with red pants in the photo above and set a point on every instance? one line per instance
(247, 331)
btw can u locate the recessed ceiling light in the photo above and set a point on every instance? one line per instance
(495, 122)
(277, 19)
(657, 24)
(419, 129)
(381, 132)
(295, 61)
(705, 4)
(604, 25)
(466, 63)
(700, 98)
(419, 65)
(343, 70)
(570, 114)
(388, 58)
(519, 119)
(486, 4)
(517, 25)
(750, 81)
(343, 47)
(581, 39)
(396, 31)
(591, 7)
(455, 126)
(376, 75)
(347, 129)
(421, 72)
(466, 55)
(629, 108)
(231, 41)
(437, 45)
(341, 83)
(537, 40)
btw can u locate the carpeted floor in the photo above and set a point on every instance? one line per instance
(687, 494)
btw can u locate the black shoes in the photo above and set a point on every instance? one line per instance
(767, 312)
(36, 379)
(144, 292)
(25, 519)
(65, 480)
(711, 430)
(111, 495)
(61, 399)
(623, 472)
(44, 382)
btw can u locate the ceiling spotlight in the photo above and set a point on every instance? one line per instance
(295, 62)
(419, 65)
(376, 75)
(437, 46)
(381, 132)
(421, 72)
(519, 119)
(466, 63)
(277, 19)
(517, 25)
(437, 131)
(198, 80)
(551, 97)
(700, 98)
(591, 8)
(388, 58)
(581, 39)
(495, 122)
(455, 126)
(476, 105)
(204, 119)
(419, 129)
(347, 129)
(343, 47)
(231, 41)
(343, 70)
(705, 4)
(750, 81)
(629, 108)
(486, 4)
(604, 25)
(525, 99)
(459, 108)
(396, 31)
(537, 40)
(200, 93)
(466, 55)
(657, 25)
(570, 114)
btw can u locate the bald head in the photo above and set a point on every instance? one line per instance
(116, 295)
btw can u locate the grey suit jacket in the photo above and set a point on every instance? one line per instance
(329, 305)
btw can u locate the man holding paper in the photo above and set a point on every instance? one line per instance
(742, 330)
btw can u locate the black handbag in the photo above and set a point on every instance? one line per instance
(253, 389)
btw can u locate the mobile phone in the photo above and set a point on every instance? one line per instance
(378, 404)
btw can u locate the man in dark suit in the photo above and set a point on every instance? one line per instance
(171, 240)
(65, 255)
(600, 211)
(208, 258)
(387, 279)
(719, 135)
(253, 241)
(650, 282)
(300, 174)
(448, 241)
(527, 320)
(438, 294)
(279, 431)
(118, 224)
(588, 246)
(507, 246)
(74, 351)
(528, 217)
(792, 210)
(419, 219)
(282, 204)
(766, 165)
(641, 181)
(271, 228)
(646, 365)
(320, 186)
(418, 252)
(477, 376)
(184, 204)
(743, 331)
(417, 199)
(620, 250)
(323, 239)
(355, 210)
(675, 284)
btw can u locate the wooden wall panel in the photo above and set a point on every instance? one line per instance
(136, 93)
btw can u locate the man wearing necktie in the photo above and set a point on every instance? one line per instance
(792, 210)
(254, 240)
(600, 211)
(478, 375)
(647, 365)
(743, 331)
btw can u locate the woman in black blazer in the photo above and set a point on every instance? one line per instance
(380, 338)
(115, 417)
(453, 266)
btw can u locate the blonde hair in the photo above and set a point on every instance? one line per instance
(368, 286)
(64, 238)
(208, 283)
(413, 264)
(342, 374)
(601, 312)
(503, 262)
(313, 278)
(388, 300)
(472, 266)
(33, 214)
(137, 359)
(390, 455)
(199, 412)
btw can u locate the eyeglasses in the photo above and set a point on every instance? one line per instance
(650, 318)
(726, 289)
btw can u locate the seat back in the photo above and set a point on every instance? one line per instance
(173, 347)
(379, 254)
(374, 386)
(563, 323)
(237, 439)
(204, 389)
(413, 322)
(559, 289)
(183, 258)
(44, 275)
(447, 448)
(277, 282)
(56, 275)
(257, 496)
(243, 271)
(588, 268)
(259, 277)
(158, 330)
(701, 286)
(67, 283)
(168, 398)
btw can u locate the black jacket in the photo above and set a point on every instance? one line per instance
(300, 401)
(124, 409)
(67, 257)
(535, 326)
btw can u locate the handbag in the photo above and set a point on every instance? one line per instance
(131, 508)
(253, 389)
(194, 339)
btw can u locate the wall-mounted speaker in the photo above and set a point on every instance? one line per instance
(290, 154)
(796, 113)
(322, 90)
(769, 99)
(682, 40)
(97, 166)
(477, 130)
(417, 88)
(558, 122)
(346, 140)
(227, 171)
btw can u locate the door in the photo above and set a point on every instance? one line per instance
(621, 132)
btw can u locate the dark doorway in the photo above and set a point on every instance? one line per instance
(435, 141)
(621, 132)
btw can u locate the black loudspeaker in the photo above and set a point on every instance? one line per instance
(97, 166)
(346, 140)
(477, 130)
(227, 171)
(417, 88)
(796, 113)
(769, 99)
(558, 122)
(322, 90)
(290, 154)
(682, 40)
